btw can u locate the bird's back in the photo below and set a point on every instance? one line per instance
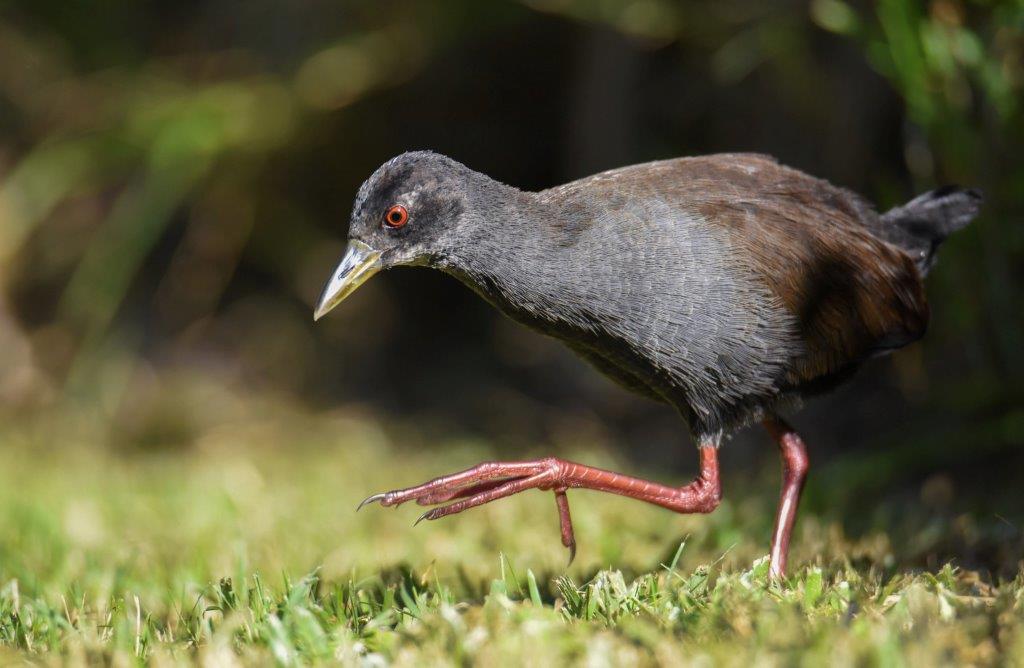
(781, 276)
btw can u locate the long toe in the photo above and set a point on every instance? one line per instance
(470, 490)
(538, 481)
(458, 484)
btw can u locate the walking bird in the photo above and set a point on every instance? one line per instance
(726, 286)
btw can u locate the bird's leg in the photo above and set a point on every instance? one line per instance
(794, 472)
(495, 480)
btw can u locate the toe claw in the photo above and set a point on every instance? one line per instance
(572, 553)
(370, 499)
(425, 516)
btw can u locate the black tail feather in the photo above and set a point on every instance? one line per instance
(923, 223)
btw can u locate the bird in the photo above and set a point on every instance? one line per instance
(729, 287)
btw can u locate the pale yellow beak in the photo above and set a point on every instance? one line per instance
(359, 263)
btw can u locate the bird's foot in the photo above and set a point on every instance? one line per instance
(490, 480)
(495, 480)
(485, 483)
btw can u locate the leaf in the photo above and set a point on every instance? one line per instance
(812, 588)
(531, 582)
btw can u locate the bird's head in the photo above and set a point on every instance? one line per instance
(409, 212)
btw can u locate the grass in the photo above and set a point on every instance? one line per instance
(243, 547)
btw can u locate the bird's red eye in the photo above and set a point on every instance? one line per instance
(396, 216)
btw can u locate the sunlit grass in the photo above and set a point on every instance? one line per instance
(244, 546)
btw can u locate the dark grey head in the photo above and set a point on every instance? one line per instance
(411, 211)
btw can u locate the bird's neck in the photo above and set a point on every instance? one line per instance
(509, 256)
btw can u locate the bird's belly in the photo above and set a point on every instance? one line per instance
(659, 310)
(709, 362)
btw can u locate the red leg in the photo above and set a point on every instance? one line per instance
(494, 480)
(794, 472)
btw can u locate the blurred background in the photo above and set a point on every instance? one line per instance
(176, 179)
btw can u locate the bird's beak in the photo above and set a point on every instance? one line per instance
(359, 263)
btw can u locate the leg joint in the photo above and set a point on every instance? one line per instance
(709, 494)
(794, 454)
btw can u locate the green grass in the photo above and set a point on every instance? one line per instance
(244, 547)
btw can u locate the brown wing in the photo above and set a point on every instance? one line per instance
(853, 295)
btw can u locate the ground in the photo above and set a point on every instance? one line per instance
(236, 541)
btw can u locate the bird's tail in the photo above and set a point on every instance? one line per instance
(923, 223)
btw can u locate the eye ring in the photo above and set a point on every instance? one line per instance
(396, 216)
